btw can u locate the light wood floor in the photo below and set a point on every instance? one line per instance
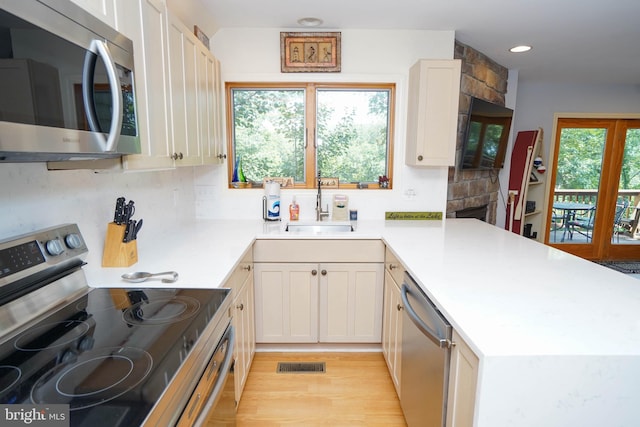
(355, 390)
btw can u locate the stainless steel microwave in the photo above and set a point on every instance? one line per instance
(66, 84)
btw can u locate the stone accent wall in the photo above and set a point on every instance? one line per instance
(485, 79)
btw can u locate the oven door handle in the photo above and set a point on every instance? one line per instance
(230, 337)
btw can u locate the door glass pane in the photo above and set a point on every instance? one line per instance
(268, 132)
(578, 174)
(353, 134)
(627, 214)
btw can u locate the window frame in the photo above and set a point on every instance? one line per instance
(310, 124)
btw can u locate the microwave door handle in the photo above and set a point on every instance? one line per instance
(423, 327)
(99, 47)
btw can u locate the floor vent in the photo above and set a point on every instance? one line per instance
(301, 367)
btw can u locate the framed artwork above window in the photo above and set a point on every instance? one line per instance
(310, 52)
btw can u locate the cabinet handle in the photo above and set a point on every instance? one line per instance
(314, 272)
(399, 307)
(392, 266)
(247, 267)
(177, 156)
(240, 306)
(222, 156)
(420, 158)
(323, 272)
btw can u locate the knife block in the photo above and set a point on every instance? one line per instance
(116, 252)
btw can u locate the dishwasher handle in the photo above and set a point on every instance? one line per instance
(423, 327)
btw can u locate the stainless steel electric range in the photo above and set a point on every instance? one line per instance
(116, 356)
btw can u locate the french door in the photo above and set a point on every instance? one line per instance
(594, 194)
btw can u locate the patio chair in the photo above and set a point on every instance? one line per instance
(618, 225)
(630, 225)
(582, 224)
(556, 223)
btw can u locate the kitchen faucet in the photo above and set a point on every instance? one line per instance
(319, 212)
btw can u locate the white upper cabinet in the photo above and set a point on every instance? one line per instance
(213, 115)
(178, 89)
(105, 10)
(144, 21)
(432, 116)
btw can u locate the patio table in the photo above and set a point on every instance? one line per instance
(569, 210)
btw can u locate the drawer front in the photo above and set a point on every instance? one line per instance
(241, 272)
(318, 251)
(393, 266)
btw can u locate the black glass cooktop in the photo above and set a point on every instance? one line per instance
(108, 355)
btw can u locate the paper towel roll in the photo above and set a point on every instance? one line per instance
(272, 195)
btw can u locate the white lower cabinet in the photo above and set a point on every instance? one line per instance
(351, 302)
(286, 303)
(463, 378)
(241, 284)
(323, 301)
(310, 303)
(243, 323)
(392, 330)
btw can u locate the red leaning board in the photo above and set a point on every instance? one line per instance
(522, 156)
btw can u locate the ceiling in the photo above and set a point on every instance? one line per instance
(580, 41)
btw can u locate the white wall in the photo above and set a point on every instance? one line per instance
(32, 198)
(250, 54)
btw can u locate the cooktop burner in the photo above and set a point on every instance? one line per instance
(98, 376)
(162, 310)
(39, 338)
(9, 375)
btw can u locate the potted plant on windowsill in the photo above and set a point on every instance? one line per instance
(383, 181)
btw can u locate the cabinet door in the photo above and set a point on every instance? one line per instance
(463, 379)
(432, 116)
(213, 145)
(245, 335)
(351, 302)
(183, 89)
(286, 303)
(392, 329)
(105, 10)
(144, 21)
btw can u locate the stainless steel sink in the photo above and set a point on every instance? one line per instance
(319, 227)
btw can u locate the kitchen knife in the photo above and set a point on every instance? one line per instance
(129, 231)
(137, 229)
(118, 216)
(129, 210)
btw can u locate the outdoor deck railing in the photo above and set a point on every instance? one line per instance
(591, 196)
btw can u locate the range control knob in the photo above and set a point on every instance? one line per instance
(54, 247)
(73, 241)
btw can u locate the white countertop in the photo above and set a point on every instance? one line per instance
(557, 337)
(506, 295)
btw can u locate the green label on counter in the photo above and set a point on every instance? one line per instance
(428, 216)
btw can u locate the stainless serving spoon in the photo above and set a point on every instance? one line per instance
(141, 276)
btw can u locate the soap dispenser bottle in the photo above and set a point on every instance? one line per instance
(294, 210)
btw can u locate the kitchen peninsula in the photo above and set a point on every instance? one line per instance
(557, 337)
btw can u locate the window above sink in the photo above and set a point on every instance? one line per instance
(295, 129)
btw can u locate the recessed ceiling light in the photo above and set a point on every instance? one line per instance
(520, 49)
(310, 22)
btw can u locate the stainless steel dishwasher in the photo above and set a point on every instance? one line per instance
(426, 350)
